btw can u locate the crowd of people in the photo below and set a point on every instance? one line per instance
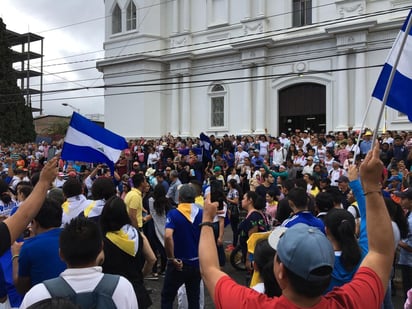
(153, 212)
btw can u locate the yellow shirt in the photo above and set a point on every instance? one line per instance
(134, 200)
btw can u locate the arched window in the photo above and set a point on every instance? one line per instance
(116, 19)
(131, 14)
(218, 110)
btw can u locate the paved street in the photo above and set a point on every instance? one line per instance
(239, 276)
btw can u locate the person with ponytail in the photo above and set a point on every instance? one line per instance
(264, 256)
(340, 230)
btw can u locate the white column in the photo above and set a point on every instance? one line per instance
(247, 101)
(360, 86)
(341, 117)
(209, 11)
(186, 115)
(260, 123)
(261, 7)
(174, 108)
(248, 6)
(175, 19)
(186, 16)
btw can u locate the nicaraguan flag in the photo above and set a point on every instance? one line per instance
(400, 94)
(206, 144)
(86, 141)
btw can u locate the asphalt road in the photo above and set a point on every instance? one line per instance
(240, 277)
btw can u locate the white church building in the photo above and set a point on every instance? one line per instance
(246, 66)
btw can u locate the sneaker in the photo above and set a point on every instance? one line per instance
(153, 276)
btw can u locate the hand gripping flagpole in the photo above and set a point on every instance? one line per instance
(390, 80)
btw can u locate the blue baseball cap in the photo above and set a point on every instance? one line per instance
(303, 249)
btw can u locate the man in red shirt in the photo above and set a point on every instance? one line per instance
(303, 264)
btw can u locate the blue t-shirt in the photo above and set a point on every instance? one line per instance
(307, 218)
(186, 234)
(15, 298)
(39, 257)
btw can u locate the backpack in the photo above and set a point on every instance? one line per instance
(100, 297)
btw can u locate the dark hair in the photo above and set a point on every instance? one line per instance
(34, 179)
(197, 185)
(288, 184)
(103, 188)
(80, 242)
(161, 203)
(301, 183)
(308, 288)
(324, 201)
(258, 201)
(272, 194)
(397, 215)
(341, 224)
(57, 195)
(72, 187)
(4, 190)
(114, 215)
(336, 194)
(25, 190)
(138, 179)
(263, 257)
(50, 214)
(299, 197)
(232, 183)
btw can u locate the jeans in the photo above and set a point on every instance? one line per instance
(220, 250)
(406, 279)
(190, 276)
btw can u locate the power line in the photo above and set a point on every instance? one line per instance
(203, 83)
(214, 46)
(70, 71)
(222, 66)
(296, 29)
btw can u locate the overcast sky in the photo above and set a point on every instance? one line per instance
(73, 31)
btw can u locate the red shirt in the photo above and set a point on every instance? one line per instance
(364, 291)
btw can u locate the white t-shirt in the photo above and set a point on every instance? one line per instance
(85, 280)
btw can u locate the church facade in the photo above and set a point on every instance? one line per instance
(246, 66)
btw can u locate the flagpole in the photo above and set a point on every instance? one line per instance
(361, 129)
(390, 80)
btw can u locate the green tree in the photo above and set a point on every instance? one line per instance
(57, 130)
(16, 119)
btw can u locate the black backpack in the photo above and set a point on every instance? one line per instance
(100, 297)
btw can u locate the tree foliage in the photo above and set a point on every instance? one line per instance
(16, 119)
(57, 130)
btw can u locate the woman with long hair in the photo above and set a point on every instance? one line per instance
(127, 251)
(340, 230)
(264, 256)
(159, 206)
(292, 152)
(233, 198)
(255, 220)
(400, 231)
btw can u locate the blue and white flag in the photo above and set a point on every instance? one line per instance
(206, 144)
(400, 94)
(88, 142)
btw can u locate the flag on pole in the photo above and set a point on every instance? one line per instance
(88, 142)
(206, 145)
(400, 94)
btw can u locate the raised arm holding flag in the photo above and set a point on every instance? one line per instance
(394, 84)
